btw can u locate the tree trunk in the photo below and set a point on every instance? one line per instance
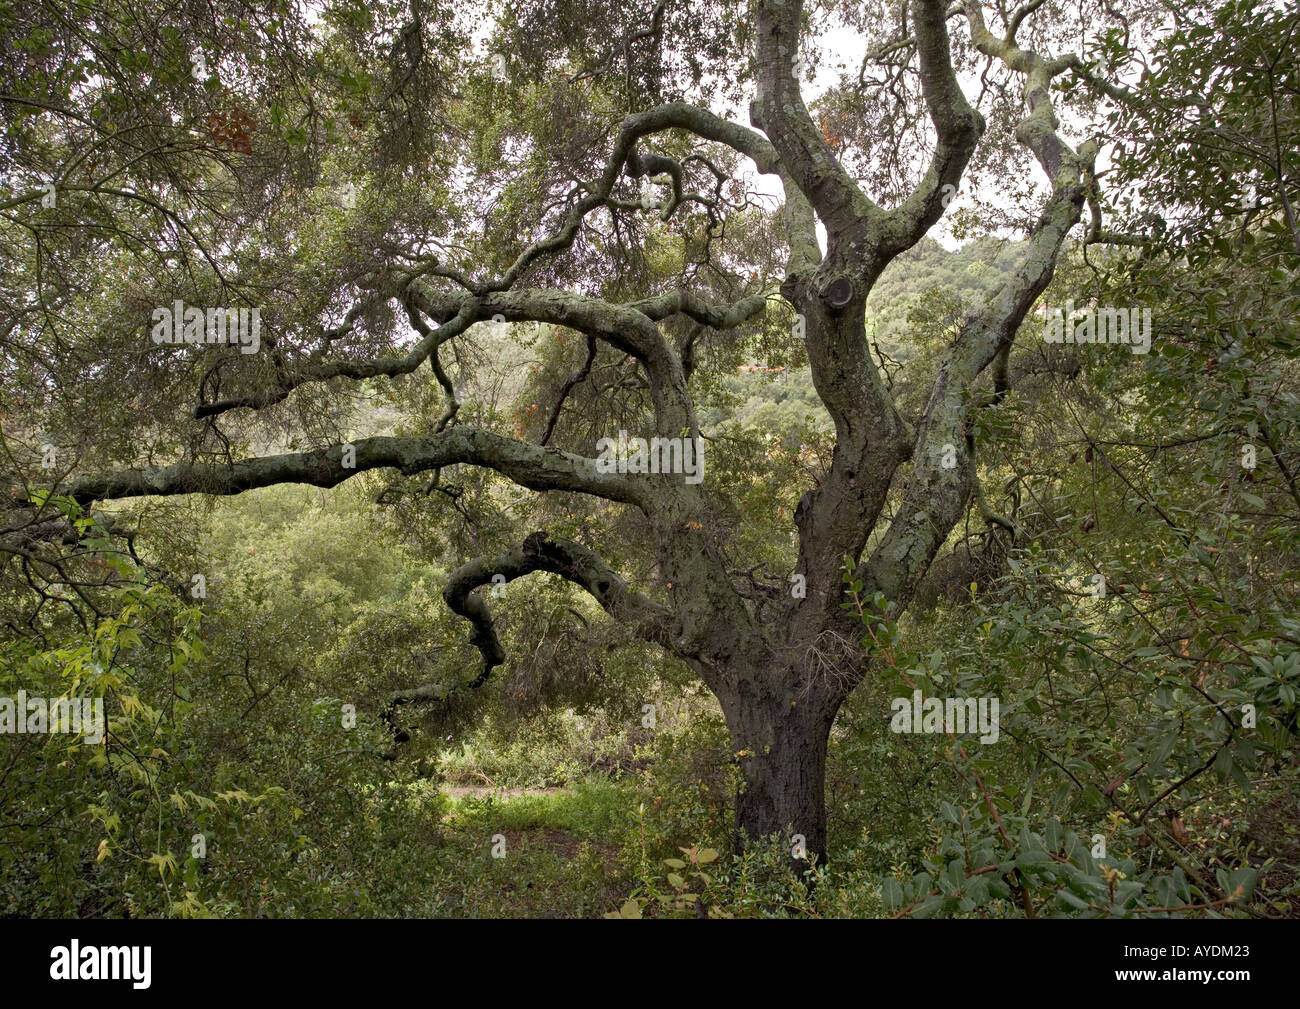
(780, 740)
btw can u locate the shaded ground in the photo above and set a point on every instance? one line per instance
(483, 791)
(561, 857)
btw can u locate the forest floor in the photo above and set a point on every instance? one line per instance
(543, 852)
(483, 791)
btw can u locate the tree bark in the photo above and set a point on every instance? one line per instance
(779, 739)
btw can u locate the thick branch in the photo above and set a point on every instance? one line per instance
(804, 152)
(543, 552)
(688, 303)
(943, 468)
(622, 326)
(542, 469)
(957, 126)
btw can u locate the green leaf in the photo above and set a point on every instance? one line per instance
(1069, 899)
(1245, 880)
(891, 893)
(928, 907)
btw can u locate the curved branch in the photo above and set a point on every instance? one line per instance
(650, 165)
(324, 371)
(574, 380)
(468, 310)
(662, 117)
(957, 126)
(543, 552)
(448, 390)
(688, 303)
(622, 326)
(943, 467)
(1017, 19)
(803, 151)
(541, 469)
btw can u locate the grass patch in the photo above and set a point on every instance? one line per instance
(595, 809)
